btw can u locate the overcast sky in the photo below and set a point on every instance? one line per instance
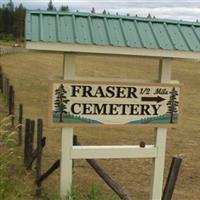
(174, 9)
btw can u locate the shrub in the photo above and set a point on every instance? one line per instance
(6, 37)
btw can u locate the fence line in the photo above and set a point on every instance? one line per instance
(4, 51)
(8, 94)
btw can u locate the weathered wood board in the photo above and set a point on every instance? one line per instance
(84, 103)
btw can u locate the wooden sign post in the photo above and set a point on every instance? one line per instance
(67, 135)
(80, 103)
(160, 140)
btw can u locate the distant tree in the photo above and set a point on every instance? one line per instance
(61, 101)
(1, 20)
(19, 22)
(172, 104)
(149, 15)
(12, 21)
(51, 6)
(10, 6)
(7, 21)
(104, 12)
(9, 16)
(64, 8)
(93, 10)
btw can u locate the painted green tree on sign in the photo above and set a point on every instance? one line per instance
(172, 105)
(61, 101)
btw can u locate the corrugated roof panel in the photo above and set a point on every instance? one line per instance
(161, 35)
(112, 30)
(82, 30)
(115, 32)
(131, 34)
(49, 28)
(66, 29)
(99, 31)
(178, 40)
(58, 28)
(147, 35)
(190, 37)
(35, 27)
(28, 27)
(196, 31)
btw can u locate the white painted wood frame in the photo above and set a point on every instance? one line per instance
(114, 151)
(160, 140)
(157, 151)
(95, 49)
(67, 135)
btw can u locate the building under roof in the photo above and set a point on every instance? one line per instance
(112, 34)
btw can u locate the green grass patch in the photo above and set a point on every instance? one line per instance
(94, 193)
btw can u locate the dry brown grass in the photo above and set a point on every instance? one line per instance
(29, 73)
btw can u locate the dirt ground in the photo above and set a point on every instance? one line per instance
(29, 74)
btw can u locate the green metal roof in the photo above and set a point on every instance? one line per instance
(112, 30)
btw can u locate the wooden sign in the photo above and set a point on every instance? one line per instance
(75, 103)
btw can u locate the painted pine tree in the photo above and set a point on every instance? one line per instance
(172, 104)
(61, 101)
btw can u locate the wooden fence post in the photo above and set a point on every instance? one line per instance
(7, 83)
(11, 104)
(5, 89)
(20, 122)
(172, 177)
(30, 144)
(26, 141)
(3, 83)
(1, 80)
(10, 93)
(39, 154)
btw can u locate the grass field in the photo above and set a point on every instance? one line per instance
(29, 74)
(6, 44)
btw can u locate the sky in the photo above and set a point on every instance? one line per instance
(171, 9)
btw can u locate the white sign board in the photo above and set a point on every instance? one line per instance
(73, 103)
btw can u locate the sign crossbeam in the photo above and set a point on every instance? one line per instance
(114, 151)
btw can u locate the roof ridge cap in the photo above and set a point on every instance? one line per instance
(124, 17)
